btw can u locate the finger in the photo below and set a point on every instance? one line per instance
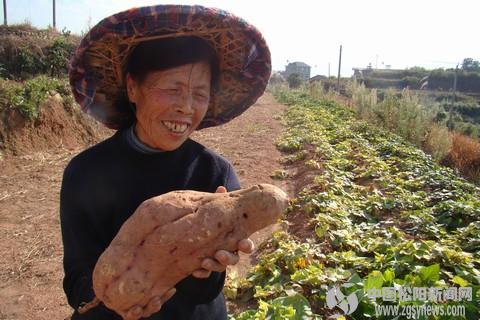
(154, 305)
(213, 265)
(246, 245)
(226, 258)
(221, 189)
(134, 313)
(201, 273)
(168, 295)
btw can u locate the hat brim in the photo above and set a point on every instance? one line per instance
(97, 67)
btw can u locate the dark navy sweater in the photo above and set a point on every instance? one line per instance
(103, 185)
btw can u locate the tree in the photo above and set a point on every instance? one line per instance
(294, 80)
(469, 64)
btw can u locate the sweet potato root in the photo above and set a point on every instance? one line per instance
(168, 236)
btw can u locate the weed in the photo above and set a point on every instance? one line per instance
(26, 97)
(465, 155)
(279, 174)
(438, 142)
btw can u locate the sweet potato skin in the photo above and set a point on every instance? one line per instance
(168, 237)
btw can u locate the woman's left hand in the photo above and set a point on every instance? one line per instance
(223, 258)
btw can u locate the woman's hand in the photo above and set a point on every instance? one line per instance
(223, 258)
(153, 306)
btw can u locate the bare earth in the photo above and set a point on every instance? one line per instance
(31, 269)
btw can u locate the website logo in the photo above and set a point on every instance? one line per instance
(336, 298)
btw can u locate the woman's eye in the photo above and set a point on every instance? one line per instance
(174, 90)
(201, 95)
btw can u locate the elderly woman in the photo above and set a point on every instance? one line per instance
(155, 74)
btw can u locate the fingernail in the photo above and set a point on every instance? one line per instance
(136, 311)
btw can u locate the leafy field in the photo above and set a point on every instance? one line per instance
(375, 212)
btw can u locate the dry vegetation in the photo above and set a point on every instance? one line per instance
(406, 115)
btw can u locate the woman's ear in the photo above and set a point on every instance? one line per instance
(131, 88)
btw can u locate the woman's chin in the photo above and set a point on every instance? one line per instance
(169, 141)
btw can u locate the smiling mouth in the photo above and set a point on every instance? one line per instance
(176, 127)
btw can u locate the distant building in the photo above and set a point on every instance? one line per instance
(300, 68)
(318, 78)
(361, 73)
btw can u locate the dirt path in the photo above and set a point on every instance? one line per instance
(30, 241)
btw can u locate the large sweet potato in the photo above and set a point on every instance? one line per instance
(168, 236)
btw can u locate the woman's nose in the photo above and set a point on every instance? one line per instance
(185, 103)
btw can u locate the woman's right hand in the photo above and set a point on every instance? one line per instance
(154, 305)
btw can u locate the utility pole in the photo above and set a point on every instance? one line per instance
(54, 18)
(450, 120)
(455, 84)
(5, 12)
(339, 68)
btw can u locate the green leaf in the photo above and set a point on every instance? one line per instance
(230, 292)
(374, 280)
(246, 315)
(389, 275)
(430, 273)
(460, 281)
(320, 230)
(298, 302)
(355, 279)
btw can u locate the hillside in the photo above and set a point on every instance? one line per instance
(26, 51)
(37, 110)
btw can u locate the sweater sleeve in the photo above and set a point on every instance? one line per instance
(231, 179)
(81, 247)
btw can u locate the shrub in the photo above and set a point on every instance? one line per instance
(58, 55)
(414, 118)
(27, 97)
(468, 129)
(3, 71)
(465, 155)
(364, 99)
(294, 80)
(440, 117)
(403, 114)
(438, 142)
(28, 52)
(27, 62)
(320, 91)
(383, 83)
(467, 108)
(411, 82)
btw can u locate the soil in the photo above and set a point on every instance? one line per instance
(31, 170)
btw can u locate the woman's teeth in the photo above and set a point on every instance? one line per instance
(176, 127)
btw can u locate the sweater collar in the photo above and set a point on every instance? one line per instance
(134, 142)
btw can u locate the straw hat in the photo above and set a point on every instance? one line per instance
(97, 68)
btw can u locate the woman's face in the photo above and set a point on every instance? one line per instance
(170, 104)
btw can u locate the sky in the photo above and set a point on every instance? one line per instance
(395, 33)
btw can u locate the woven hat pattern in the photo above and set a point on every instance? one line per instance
(97, 68)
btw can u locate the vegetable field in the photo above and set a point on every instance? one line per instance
(373, 214)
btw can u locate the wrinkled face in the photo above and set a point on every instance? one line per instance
(170, 104)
